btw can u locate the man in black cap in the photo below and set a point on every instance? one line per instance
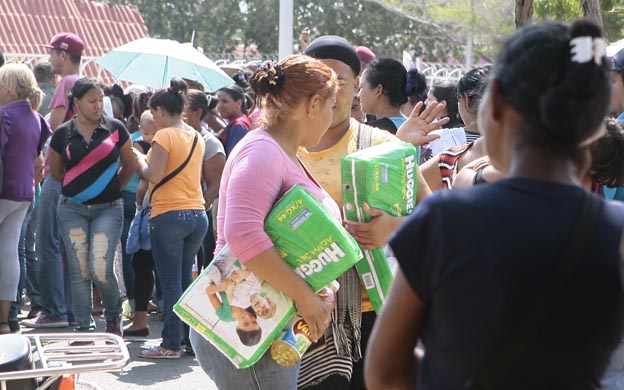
(617, 87)
(337, 362)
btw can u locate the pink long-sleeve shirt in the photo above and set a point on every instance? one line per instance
(258, 172)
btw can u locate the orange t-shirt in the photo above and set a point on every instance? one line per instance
(183, 191)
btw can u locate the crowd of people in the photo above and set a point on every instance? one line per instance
(515, 283)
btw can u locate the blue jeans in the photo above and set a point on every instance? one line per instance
(129, 201)
(32, 263)
(54, 281)
(266, 374)
(91, 234)
(176, 236)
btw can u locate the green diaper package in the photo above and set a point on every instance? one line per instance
(384, 177)
(241, 314)
(312, 241)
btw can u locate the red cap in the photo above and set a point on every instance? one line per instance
(68, 42)
(365, 54)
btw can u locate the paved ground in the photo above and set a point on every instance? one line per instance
(183, 373)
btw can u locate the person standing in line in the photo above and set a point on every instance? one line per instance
(232, 106)
(500, 307)
(336, 362)
(178, 220)
(617, 87)
(91, 155)
(45, 80)
(23, 133)
(65, 50)
(297, 95)
(212, 167)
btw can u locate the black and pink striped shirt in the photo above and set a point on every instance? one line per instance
(91, 169)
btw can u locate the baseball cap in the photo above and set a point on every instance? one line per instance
(617, 61)
(68, 42)
(332, 47)
(365, 54)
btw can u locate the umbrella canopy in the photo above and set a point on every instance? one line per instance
(153, 62)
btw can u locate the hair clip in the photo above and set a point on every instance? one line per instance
(274, 71)
(584, 49)
(412, 83)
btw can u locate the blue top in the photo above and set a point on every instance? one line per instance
(621, 117)
(398, 120)
(482, 259)
(133, 184)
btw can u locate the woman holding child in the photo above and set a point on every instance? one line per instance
(178, 220)
(297, 95)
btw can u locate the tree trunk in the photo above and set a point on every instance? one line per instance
(591, 11)
(524, 12)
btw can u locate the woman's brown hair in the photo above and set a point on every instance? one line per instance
(280, 87)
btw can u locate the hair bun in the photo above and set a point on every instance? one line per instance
(177, 85)
(585, 28)
(268, 78)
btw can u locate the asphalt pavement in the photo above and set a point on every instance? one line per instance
(140, 373)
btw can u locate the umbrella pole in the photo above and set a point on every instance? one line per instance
(165, 82)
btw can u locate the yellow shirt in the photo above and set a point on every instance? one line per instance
(325, 167)
(183, 191)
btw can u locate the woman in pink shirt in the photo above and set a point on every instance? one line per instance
(297, 96)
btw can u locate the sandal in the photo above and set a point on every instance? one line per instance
(159, 353)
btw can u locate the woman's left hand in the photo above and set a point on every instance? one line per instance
(375, 233)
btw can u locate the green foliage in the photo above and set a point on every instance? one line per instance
(613, 19)
(221, 25)
(437, 28)
(569, 10)
(565, 10)
(488, 20)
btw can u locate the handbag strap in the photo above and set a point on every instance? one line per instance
(364, 137)
(491, 373)
(176, 171)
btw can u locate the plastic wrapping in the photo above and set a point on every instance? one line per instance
(384, 177)
(314, 244)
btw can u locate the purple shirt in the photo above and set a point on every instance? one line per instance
(21, 139)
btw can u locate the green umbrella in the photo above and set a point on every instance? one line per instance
(153, 62)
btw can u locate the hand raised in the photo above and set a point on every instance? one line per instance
(417, 127)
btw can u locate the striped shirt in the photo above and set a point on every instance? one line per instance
(472, 137)
(91, 169)
(447, 163)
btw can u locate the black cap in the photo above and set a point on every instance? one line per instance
(618, 62)
(332, 47)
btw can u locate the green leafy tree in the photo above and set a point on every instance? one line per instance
(569, 10)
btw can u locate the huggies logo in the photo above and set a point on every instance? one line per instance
(409, 194)
(331, 254)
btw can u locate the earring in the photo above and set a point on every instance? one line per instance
(311, 116)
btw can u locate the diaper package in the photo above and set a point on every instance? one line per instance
(241, 314)
(384, 177)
